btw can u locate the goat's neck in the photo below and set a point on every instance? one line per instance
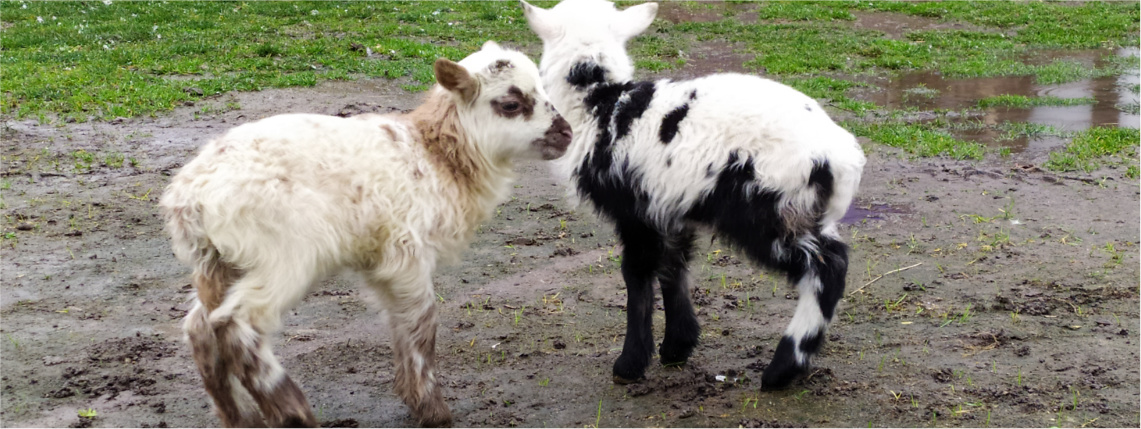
(479, 181)
(570, 100)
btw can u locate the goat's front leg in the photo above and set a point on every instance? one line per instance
(411, 309)
(682, 329)
(641, 256)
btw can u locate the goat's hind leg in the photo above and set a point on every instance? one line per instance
(821, 286)
(214, 371)
(682, 329)
(242, 325)
(211, 280)
(642, 249)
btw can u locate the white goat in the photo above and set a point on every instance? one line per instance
(271, 207)
(758, 162)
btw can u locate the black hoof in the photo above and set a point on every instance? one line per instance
(674, 356)
(624, 381)
(783, 370)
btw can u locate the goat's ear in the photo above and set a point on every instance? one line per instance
(634, 20)
(456, 79)
(490, 44)
(542, 23)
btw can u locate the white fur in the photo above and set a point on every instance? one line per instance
(755, 116)
(782, 131)
(292, 198)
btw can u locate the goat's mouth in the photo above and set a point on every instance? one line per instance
(555, 141)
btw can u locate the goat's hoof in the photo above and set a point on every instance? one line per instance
(433, 414)
(436, 421)
(777, 378)
(618, 379)
(671, 363)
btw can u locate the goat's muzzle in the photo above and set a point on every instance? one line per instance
(555, 141)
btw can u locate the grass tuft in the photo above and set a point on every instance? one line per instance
(1089, 149)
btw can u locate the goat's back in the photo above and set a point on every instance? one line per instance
(341, 186)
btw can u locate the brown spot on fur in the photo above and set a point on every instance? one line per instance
(417, 174)
(211, 281)
(449, 150)
(513, 104)
(413, 385)
(502, 65)
(388, 129)
(214, 373)
(282, 403)
(357, 195)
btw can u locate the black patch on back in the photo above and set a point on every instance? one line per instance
(670, 123)
(586, 73)
(632, 108)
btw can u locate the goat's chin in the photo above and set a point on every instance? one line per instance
(549, 151)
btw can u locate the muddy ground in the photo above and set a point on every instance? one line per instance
(988, 293)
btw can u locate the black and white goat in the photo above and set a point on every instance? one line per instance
(270, 207)
(757, 162)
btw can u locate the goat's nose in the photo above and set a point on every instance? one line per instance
(566, 132)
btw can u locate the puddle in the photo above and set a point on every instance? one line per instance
(896, 25)
(861, 210)
(926, 90)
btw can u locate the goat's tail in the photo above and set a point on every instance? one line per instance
(212, 275)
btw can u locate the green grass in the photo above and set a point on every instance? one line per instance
(1089, 150)
(1022, 102)
(817, 37)
(833, 91)
(129, 59)
(917, 139)
(134, 58)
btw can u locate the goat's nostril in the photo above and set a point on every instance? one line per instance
(567, 133)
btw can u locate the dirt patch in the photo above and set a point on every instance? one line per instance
(1016, 284)
(897, 25)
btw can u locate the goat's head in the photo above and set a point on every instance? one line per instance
(588, 32)
(503, 106)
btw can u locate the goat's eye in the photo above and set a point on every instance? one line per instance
(510, 106)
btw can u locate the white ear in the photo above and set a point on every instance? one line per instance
(541, 21)
(634, 20)
(490, 44)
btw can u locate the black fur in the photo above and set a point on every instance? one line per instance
(743, 213)
(585, 74)
(682, 329)
(639, 263)
(670, 123)
(632, 108)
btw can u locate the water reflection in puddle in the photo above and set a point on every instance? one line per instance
(928, 90)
